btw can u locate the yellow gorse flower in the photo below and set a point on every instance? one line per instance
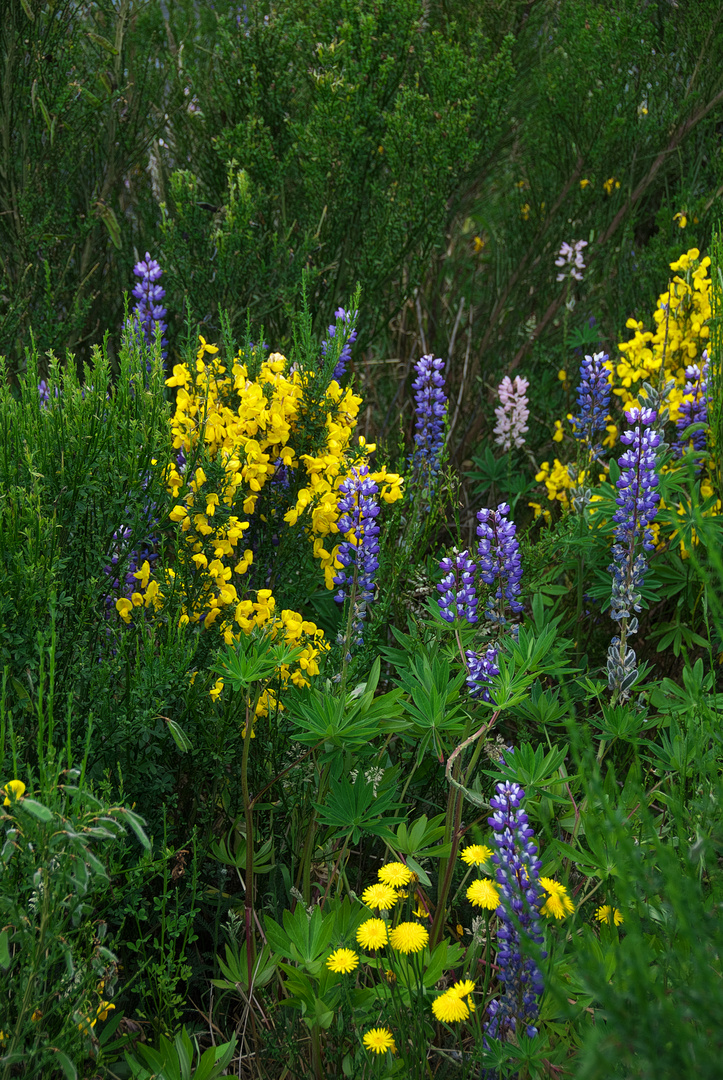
(14, 791)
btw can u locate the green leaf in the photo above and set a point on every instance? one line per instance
(66, 1065)
(106, 214)
(36, 809)
(5, 958)
(179, 737)
(136, 823)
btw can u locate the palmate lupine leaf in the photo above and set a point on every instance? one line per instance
(355, 808)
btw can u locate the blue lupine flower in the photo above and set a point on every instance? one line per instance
(44, 393)
(431, 409)
(499, 561)
(638, 504)
(458, 599)
(518, 871)
(349, 318)
(358, 556)
(148, 309)
(593, 401)
(482, 669)
(696, 410)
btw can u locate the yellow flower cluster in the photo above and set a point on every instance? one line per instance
(251, 430)
(680, 335)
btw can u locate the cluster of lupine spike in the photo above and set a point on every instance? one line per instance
(359, 510)
(637, 506)
(499, 561)
(570, 260)
(593, 401)
(482, 669)
(430, 409)
(349, 318)
(517, 874)
(148, 310)
(458, 599)
(512, 413)
(695, 410)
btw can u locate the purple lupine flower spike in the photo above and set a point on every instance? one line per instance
(518, 871)
(593, 401)
(458, 599)
(482, 669)
(499, 561)
(349, 318)
(637, 506)
(695, 410)
(358, 557)
(148, 309)
(431, 409)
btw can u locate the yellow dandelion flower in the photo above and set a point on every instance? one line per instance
(380, 896)
(342, 961)
(462, 988)
(409, 937)
(379, 1040)
(450, 1008)
(476, 854)
(395, 874)
(484, 893)
(608, 914)
(558, 904)
(372, 934)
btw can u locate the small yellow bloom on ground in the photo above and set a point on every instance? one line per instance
(103, 1009)
(395, 874)
(372, 934)
(409, 937)
(379, 1040)
(342, 961)
(379, 896)
(608, 914)
(449, 1008)
(14, 791)
(558, 903)
(476, 854)
(584, 183)
(484, 893)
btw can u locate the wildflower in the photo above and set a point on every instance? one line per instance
(484, 893)
(103, 1009)
(430, 409)
(610, 184)
(379, 1040)
(517, 877)
(570, 261)
(681, 218)
(593, 401)
(348, 318)
(499, 561)
(395, 874)
(559, 434)
(44, 393)
(476, 854)
(478, 244)
(409, 937)
(380, 896)
(14, 791)
(458, 599)
(450, 1008)
(558, 903)
(608, 914)
(512, 413)
(694, 407)
(584, 184)
(148, 310)
(638, 504)
(525, 212)
(342, 961)
(562, 375)
(358, 552)
(482, 669)
(372, 934)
